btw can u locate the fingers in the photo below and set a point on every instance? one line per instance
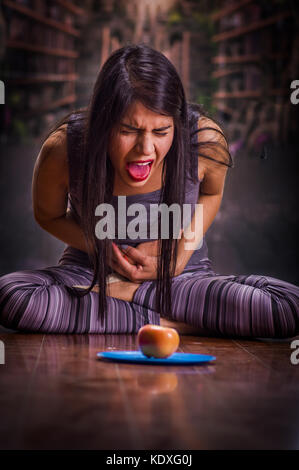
(132, 252)
(122, 250)
(124, 267)
(131, 266)
(133, 273)
(135, 254)
(136, 276)
(127, 259)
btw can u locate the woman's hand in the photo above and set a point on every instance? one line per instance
(137, 264)
(149, 248)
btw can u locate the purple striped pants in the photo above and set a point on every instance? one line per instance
(38, 300)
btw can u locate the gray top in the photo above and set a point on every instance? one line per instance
(72, 255)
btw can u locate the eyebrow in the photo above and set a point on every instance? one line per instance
(139, 129)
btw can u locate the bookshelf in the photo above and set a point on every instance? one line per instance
(39, 66)
(252, 27)
(246, 58)
(30, 13)
(255, 53)
(228, 10)
(41, 49)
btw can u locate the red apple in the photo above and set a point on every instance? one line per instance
(157, 341)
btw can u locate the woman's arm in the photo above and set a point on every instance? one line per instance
(212, 144)
(186, 247)
(50, 192)
(210, 196)
(210, 206)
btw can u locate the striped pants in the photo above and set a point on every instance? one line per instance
(38, 300)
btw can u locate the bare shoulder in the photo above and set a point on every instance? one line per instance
(205, 121)
(56, 142)
(213, 145)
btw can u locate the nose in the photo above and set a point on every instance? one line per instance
(145, 145)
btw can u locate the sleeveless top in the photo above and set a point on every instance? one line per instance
(72, 255)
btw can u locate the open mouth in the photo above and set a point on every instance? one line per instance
(139, 171)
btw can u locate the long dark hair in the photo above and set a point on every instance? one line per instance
(134, 73)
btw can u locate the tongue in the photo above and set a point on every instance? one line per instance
(137, 171)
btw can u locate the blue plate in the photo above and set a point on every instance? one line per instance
(139, 357)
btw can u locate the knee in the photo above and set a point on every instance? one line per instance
(16, 289)
(281, 298)
(285, 313)
(286, 317)
(10, 283)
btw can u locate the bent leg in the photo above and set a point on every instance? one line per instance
(231, 306)
(39, 300)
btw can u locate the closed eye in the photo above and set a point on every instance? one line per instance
(134, 132)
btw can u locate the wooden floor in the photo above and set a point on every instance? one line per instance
(56, 394)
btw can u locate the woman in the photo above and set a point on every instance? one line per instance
(140, 139)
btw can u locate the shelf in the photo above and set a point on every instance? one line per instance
(247, 58)
(44, 79)
(55, 104)
(41, 19)
(42, 49)
(41, 69)
(221, 106)
(71, 7)
(248, 29)
(249, 93)
(230, 9)
(224, 72)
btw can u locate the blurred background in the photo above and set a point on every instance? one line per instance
(237, 58)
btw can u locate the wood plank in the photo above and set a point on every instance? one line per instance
(249, 93)
(246, 58)
(42, 49)
(73, 400)
(236, 32)
(46, 78)
(224, 72)
(41, 19)
(71, 7)
(228, 10)
(275, 355)
(22, 353)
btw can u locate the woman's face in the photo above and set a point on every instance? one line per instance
(142, 136)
